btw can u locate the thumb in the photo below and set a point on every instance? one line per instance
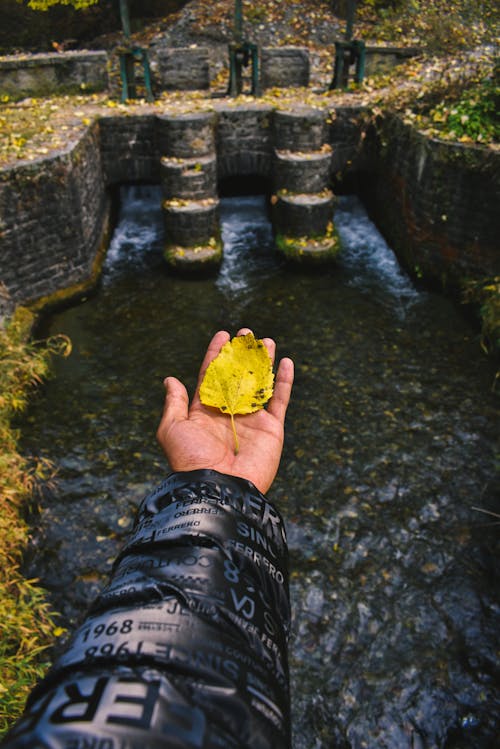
(176, 404)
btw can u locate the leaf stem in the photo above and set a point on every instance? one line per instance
(236, 443)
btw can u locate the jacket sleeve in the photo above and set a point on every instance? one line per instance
(186, 647)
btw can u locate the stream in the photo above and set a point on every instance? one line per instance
(391, 442)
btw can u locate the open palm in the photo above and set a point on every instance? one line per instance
(196, 436)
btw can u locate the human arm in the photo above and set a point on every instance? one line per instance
(186, 647)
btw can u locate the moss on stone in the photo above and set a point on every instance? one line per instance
(314, 250)
(201, 258)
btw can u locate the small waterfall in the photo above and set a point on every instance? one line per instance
(138, 230)
(247, 237)
(249, 255)
(368, 259)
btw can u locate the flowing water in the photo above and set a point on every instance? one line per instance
(390, 443)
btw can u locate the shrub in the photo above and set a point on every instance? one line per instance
(474, 116)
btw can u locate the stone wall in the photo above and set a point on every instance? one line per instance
(53, 213)
(172, 68)
(129, 149)
(284, 66)
(347, 130)
(244, 140)
(180, 68)
(382, 60)
(43, 74)
(436, 203)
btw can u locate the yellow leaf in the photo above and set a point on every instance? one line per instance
(239, 380)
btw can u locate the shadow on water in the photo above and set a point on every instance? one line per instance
(391, 439)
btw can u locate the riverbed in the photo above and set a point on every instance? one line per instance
(391, 444)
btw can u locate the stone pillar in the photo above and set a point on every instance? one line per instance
(303, 201)
(189, 183)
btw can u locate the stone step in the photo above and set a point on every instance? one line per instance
(189, 178)
(202, 258)
(303, 215)
(189, 223)
(319, 250)
(302, 172)
(303, 129)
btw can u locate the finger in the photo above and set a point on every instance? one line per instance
(271, 347)
(268, 342)
(282, 390)
(176, 404)
(214, 347)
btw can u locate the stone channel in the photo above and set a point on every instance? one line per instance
(435, 202)
(391, 442)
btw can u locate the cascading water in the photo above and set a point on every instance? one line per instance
(367, 258)
(391, 439)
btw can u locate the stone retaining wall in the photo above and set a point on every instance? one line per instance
(436, 203)
(129, 149)
(282, 67)
(43, 74)
(181, 68)
(382, 60)
(172, 68)
(53, 213)
(244, 141)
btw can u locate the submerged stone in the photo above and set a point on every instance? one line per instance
(200, 258)
(310, 250)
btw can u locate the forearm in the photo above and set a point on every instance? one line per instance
(187, 645)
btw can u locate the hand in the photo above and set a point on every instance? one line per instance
(197, 436)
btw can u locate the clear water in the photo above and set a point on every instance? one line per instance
(391, 440)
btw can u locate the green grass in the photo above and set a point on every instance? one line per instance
(472, 117)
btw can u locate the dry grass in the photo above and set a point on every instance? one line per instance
(27, 626)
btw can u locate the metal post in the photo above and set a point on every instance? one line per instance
(240, 54)
(127, 71)
(351, 10)
(360, 61)
(338, 73)
(238, 21)
(125, 17)
(348, 52)
(255, 70)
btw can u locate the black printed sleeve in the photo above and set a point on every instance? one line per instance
(187, 645)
